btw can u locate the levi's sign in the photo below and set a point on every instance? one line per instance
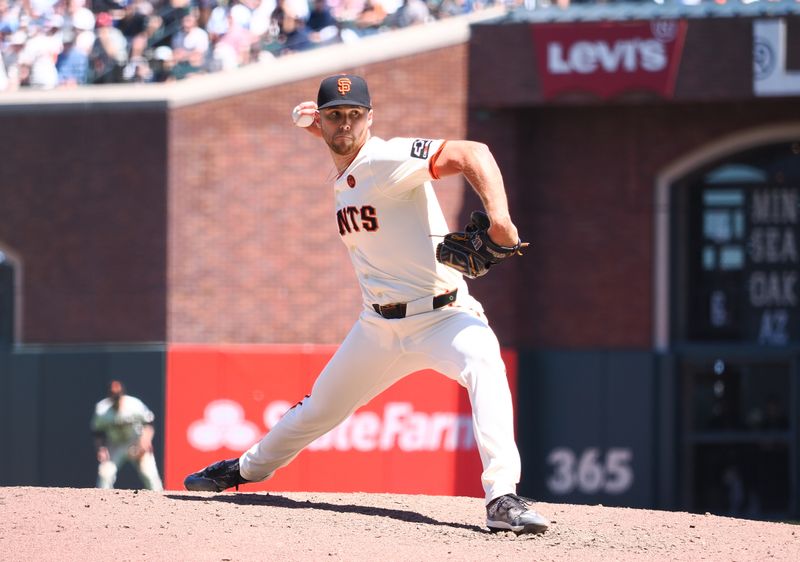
(608, 59)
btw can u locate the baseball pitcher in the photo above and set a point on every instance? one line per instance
(417, 311)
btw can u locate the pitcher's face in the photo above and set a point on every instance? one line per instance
(345, 128)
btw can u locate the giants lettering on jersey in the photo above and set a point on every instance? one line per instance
(353, 219)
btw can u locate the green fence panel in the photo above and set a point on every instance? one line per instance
(586, 426)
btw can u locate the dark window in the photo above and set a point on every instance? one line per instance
(742, 479)
(740, 257)
(730, 396)
(6, 301)
(739, 434)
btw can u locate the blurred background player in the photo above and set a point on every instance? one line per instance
(123, 430)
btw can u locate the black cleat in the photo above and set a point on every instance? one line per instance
(216, 477)
(513, 513)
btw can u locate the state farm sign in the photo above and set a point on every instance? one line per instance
(222, 399)
(396, 425)
(607, 59)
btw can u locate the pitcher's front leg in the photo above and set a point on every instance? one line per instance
(355, 374)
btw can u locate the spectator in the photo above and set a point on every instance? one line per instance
(135, 18)
(154, 30)
(261, 17)
(111, 6)
(321, 24)
(169, 21)
(412, 12)
(391, 6)
(204, 8)
(109, 53)
(38, 58)
(138, 68)
(194, 63)
(299, 9)
(253, 15)
(72, 64)
(371, 17)
(348, 10)
(39, 9)
(83, 23)
(190, 40)
(232, 49)
(9, 16)
(294, 36)
(450, 8)
(123, 430)
(162, 64)
(278, 16)
(4, 82)
(242, 11)
(218, 21)
(10, 81)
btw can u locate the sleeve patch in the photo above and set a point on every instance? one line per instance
(420, 148)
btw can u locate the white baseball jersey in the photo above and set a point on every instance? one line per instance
(122, 429)
(391, 222)
(124, 426)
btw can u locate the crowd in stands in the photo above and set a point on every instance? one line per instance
(48, 44)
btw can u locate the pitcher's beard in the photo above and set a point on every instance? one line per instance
(342, 148)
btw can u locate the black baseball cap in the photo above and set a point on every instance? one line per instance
(343, 89)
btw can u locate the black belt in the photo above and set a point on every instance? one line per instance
(398, 309)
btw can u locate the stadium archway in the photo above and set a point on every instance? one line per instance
(727, 315)
(10, 321)
(666, 182)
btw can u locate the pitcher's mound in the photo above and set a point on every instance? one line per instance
(66, 524)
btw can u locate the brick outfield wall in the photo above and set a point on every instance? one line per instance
(82, 207)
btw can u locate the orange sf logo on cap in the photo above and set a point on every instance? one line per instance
(343, 85)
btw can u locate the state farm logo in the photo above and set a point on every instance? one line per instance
(397, 426)
(587, 57)
(223, 425)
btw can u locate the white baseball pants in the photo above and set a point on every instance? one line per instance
(118, 456)
(455, 340)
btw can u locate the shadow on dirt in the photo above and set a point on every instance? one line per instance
(273, 500)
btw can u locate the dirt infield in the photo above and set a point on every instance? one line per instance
(67, 524)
